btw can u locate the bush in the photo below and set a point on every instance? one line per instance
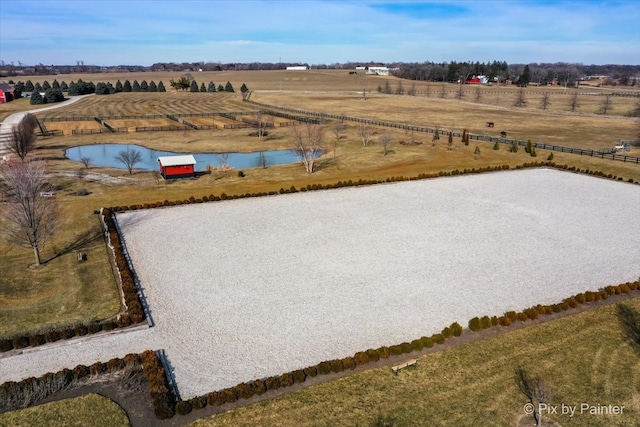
(272, 383)
(324, 368)
(349, 363)
(337, 365)
(229, 395)
(417, 345)
(395, 350)
(163, 408)
(214, 398)
(373, 355)
(406, 348)
(446, 332)
(258, 387)
(475, 324)
(198, 402)
(427, 342)
(183, 407)
(244, 391)
(310, 371)
(504, 321)
(286, 380)
(456, 329)
(438, 338)
(486, 322)
(383, 352)
(298, 376)
(361, 358)
(6, 345)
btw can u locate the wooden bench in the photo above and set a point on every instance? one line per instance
(47, 193)
(81, 257)
(410, 362)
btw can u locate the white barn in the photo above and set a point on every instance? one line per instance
(298, 68)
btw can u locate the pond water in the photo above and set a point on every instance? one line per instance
(104, 155)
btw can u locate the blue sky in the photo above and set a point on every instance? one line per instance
(106, 32)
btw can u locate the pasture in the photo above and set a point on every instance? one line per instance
(64, 292)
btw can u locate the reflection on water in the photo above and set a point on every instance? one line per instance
(104, 155)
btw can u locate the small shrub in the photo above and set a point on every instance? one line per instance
(198, 402)
(94, 327)
(504, 321)
(373, 355)
(580, 298)
(337, 365)
(395, 350)
(214, 398)
(475, 324)
(298, 376)
(406, 348)
(272, 383)
(361, 358)
(258, 387)
(51, 336)
(244, 391)
(20, 342)
(286, 380)
(417, 345)
(485, 322)
(446, 332)
(229, 395)
(6, 345)
(36, 340)
(456, 329)
(383, 352)
(241, 174)
(163, 407)
(310, 371)
(324, 368)
(572, 302)
(427, 342)
(438, 338)
(349, 363)
(522, 317)
(183, 407)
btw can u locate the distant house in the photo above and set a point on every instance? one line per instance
(478, 80)
(177, 166)
(298, 68)
(380, 71)
(7, 93)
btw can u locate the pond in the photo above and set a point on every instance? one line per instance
(105, 155)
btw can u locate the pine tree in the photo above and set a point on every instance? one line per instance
(228, 87)
(36, 98)
(28, 86)
(203, 88)
(46, 85)
(37, 87)
(102, 89)
(152, 87)
(220, 88)
(55, 85)
(136, 86)
(211, 87)
(161, 87)
(194, 86)
(64, 86)
(243, 88)
(144, 86)
(118, 86)
(127, 86)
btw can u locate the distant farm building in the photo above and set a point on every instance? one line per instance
(478, 80)
(7, 93)
(380, 71)
(177, 166)
(298, 68)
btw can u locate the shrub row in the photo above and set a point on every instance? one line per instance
(531, 313)
(21, 394)
(164, 404)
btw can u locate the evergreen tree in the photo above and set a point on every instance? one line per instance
(118, 86)
(127, 86)
(136, 86)
(20, 87)
(152, 87)
(203, 88)
(102, 89)
(46, 85)
(525, 77)
(211, 87)
(64, 86)
(36, 98)
(220, 88)
(228, 87)
(161, 87)
(28, 86)
(194, 86)
(112, 89)
(37, 87)
(243, 88)
(55, 85)
(73, 89)
(144, 86)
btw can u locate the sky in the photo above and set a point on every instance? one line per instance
(144, 32)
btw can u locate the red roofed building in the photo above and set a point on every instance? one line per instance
(7, 92)
(177, 166)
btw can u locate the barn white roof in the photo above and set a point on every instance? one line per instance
(187, 159)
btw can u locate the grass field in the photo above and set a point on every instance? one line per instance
(64, 291)
(89, 410)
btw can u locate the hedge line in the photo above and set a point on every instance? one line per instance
(133, 315)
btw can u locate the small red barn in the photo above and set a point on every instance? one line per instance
(177, 166)
(7, 92)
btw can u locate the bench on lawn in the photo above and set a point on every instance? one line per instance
(81, 257)
(47, 193)
(410, 362)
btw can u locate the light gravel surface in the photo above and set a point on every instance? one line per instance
(249, 288)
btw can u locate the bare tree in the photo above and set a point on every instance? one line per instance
(537, 390)
(262, 160)
(129, 158)
(308, 141)
(606, 104)
(545, 102)
(366, 133)
(521, 99)
(338, 128)
(478, 94)
(573, 102)
(23, 137)
(30, 218)
(261, 124)
(400, 89)
(443, 92)
(412, 90)
(385, 141)
(460, 92)
(86, 161)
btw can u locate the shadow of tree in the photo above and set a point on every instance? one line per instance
(630, 320)
(80, 243)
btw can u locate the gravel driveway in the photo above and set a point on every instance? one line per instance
(249, 288)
